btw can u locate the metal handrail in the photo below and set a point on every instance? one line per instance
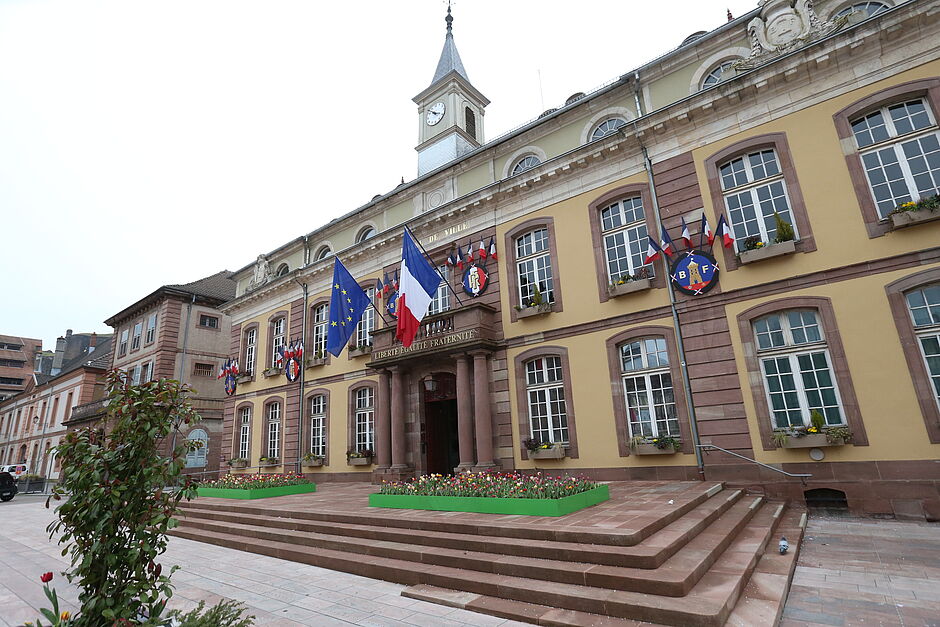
(708, 447)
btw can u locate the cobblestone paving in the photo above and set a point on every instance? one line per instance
(866, 572)
(278, 593)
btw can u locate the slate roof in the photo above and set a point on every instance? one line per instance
(220, 285)
(99, 358)
(450, 58)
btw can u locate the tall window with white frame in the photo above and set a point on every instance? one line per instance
(321, 322)
(317, 425)
(545, 391)
(135, 342)
(796, 367)
(146, 372)
(754, 190)
(899, 146)
(122, 346)
(151, 328)
(534, 267)
(623, 225)
(647, 388)
(135, 375)
(278, 340)
(924, 305)
(441, 300)
(244, 432)
(274, 431)
(367, 322)
(365, 419)
(251, 339)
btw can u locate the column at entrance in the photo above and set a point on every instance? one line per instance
(383, 423)
(399, 458)
(482, 414)
(464, 414)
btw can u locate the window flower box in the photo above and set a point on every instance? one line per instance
(534, 310)
(553, 452)
(812, 440)
(766, 252)
(268, 462)
(652, 449)
(359, 461)
(360, 351)
(313, 362)
(648, 445)
(628, 287)
(314, 462)
(271, 372)
(238, 463)
(909, 218)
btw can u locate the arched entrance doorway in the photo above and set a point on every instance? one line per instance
(439, 431)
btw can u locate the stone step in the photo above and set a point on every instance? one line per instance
(708, 603)
(650, 553)
(489, 525)
(675, 578)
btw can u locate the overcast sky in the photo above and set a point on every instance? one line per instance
(146, 143)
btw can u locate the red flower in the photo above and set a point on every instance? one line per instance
(46, 577)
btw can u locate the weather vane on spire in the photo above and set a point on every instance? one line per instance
(449, 19)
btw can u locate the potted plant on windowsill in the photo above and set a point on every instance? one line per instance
(267, 462)
(360, 458)
(755, 249)
(317, 359)
(544, 450)
(816, 435)
(311, 460)
(915, 212)
(629, 283)
(238, 462)
(535, 305)
(649, 445)
(360, 350)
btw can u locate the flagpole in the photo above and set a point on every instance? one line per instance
(433, 265)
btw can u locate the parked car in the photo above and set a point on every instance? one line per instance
(15, 469)
(8, 487)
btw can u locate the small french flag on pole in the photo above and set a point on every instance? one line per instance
(707, 230)
(724, 230)
(492, 248)
(666, 241)
(652, 251)
(686, 235)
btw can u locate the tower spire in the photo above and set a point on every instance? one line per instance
(450, 58)
(450, 20)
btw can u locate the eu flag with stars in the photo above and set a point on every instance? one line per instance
(347, 304)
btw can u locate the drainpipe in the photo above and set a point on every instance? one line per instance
(680, 345)
(179, 376)
(303, 372)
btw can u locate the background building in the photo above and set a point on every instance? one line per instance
(17, 363)
(826, 116)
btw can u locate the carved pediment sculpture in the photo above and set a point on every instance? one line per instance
(784, 25)
(262, 273)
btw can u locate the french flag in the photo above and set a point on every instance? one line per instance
(459, 258)
(724, 230)
(686, 235)
(492, 249)
(707, 230)
(652, 252)
(419, 282)
(482, 251)
(666, 241)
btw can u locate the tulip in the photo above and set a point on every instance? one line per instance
(46, 577)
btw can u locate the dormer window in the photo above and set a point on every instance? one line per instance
(607, 127)
(526, 163)
(721, 72)
(366, 233)
(868, 8)
(323, 253)
(282, 270)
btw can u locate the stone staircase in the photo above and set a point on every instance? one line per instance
(708, 558)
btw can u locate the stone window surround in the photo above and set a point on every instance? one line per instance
(522, 399)
(778, 142)
(269, 355)
(614, 343)
(198, 318)
(237, 431)
(139, 338)
(928, 89)
(242, 352)
(264, 425)
(602, 116)
(155, 326)
(712, 62)
(351, 411)
(597, 233)
(325, 393)
(313, 306)
(840, 365)
(519, 155)
(915, 360)
(512, 276)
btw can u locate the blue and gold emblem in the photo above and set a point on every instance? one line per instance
(475, 280)
(694, 272)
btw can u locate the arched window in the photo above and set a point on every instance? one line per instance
(367, 322)
(720, 72)
(526, 163)
(868, 8)
(322, 253)
(647, 388)
(534, 267)
(278, 338)
(367, 232)
(441, 299)
(364, 422)
(470, 122)
(244, 432)
(199, 449)
(607, 127)
(250, 346)
(924, 307)
(545, 399)
(274, 431)
(318, 425)
(282, 270)
(623, 226)
(321, 321)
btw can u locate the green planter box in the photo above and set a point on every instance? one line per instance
(486, 505)
(259, 493)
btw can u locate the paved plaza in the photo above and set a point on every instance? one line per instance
(851, 572)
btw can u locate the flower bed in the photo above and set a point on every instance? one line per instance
(492, 493)
(256, 486)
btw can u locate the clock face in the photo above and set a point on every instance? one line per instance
(435, 113)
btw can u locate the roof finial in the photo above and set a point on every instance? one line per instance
(449, 19)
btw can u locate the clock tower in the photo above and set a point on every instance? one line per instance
(450, 110)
